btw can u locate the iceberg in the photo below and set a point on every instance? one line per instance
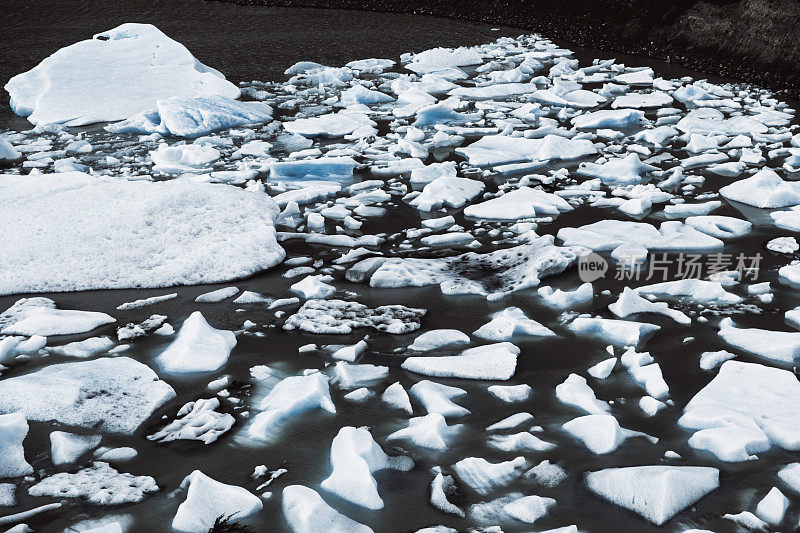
(112, 76)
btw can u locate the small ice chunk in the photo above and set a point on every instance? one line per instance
(207, 499)
(198, 347)
(396, 396)
(510, 393)
(112, 76)
(314, 286)
(13, 429)
(430, 432)
(616, 332)
(566, 299)
(603, 369)
(493, 361)
(577, 393)
(772, 508)
(511, 422)
(306, 512)
(291, 396)
(601, 434)
(113, 394)
(217, 295)
(66, 448)
(509, 323)
(355, 456)
(438, 398)
(483, 476)
(439, 338)
(655, 492)
(198, 420)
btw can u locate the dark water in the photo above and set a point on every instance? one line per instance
(248, 43)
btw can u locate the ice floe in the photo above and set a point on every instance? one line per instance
(217, 233)
(109, 394)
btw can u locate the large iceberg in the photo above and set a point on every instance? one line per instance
(121, 234)
(112, 76)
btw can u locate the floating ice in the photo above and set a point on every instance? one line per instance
(108, 394)
(430, 431)
(314, 287)
(441, 486)
(323, 168)
(764, 189)
(493, 361)
(306, 512)
(601, 434)
(576, 393)
(193, 117)
(494, 274)
(66, 448)
(45, 321)
(216, 233)
(511, 322)
(396, 396)
(439, 338)
(198, 420)
(483, 476)
(607, 235)
(501, 149)
(331, 125)
(438, 398)
(355, 456)
(781, 346)
(511, 422)
(520, 442)
(207, 499)
(13, 429)
(616, 118)
(772, 508)
(198, 347)
(291, 396)
(113, 76)
(744, 410)
(447, 192)
(341, 317)
(566, 299)
(98, 483)
(518, 204)
(616, 332)
(621, 171)
(510, 393)
(655, 492)
(630, 303)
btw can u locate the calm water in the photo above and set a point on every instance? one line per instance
(248, 43)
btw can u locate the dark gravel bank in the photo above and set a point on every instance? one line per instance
(752, 40)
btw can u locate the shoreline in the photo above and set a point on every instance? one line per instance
(749, 40)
